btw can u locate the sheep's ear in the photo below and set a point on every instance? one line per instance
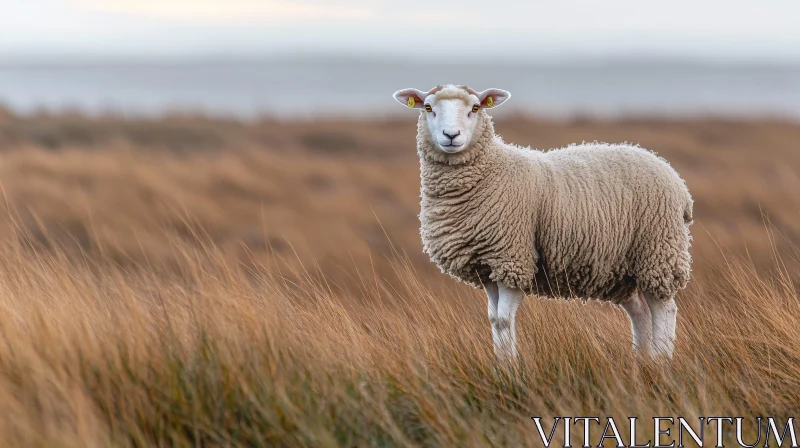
(493, 97)
(412, 98)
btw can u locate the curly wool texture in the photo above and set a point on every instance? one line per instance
(594, 221)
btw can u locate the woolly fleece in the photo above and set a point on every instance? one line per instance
(593, 221)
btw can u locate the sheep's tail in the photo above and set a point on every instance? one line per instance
(688, 219)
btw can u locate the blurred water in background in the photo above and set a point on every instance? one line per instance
(351, 86)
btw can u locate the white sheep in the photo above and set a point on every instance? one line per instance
(592, 221)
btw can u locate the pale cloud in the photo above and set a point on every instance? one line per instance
(763, 29)
(231, 10)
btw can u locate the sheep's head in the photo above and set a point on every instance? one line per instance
(452, 112)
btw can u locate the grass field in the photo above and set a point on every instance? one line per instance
(190, 281)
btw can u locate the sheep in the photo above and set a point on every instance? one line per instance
(599, 221)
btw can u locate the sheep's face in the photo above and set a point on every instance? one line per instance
(452, 112)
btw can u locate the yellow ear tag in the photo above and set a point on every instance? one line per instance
(411, 101)
(490, 101)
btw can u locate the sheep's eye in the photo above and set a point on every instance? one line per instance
(475, 108)
(428, 108)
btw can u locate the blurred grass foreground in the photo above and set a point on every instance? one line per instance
(189, 281)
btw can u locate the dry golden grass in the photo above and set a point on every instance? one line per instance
(190, 282)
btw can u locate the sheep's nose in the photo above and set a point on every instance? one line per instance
(452, 136)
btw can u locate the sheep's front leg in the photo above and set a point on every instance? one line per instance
(503, 305)
(493, 296)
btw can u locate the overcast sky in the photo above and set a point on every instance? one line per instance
(479, 29)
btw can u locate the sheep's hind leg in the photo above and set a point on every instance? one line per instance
(502, 317)
(665, 316)
(641, 323)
